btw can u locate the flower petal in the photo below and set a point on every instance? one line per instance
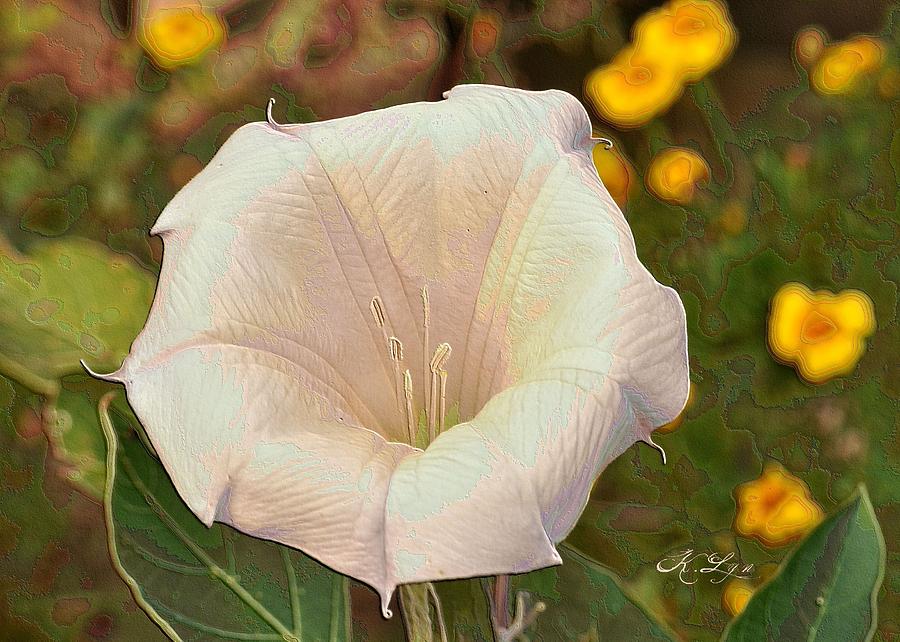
(268, 390)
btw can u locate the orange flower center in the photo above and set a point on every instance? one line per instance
(638, 76)
(771, 497)
(687, 25)
(816, 327)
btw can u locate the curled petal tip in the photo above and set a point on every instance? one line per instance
(607, 143)
(386, 612)
(111, 377)
(269, 118)
(652, 443)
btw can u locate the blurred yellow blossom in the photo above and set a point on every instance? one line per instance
(179, 33)
(808, 46)
(680, 42)
(843, 63)
(632, 88)
(776, 508)
(735, 596)
(821, 334)
(674, 173)
(676, 423)
(615, 171)
(697, 35)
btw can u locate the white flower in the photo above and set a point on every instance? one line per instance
(287, 355)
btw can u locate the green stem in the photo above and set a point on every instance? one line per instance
(339, 628)
(416, 614)
(707, 100)
(112, 445)
(293, 591)
(34, 382)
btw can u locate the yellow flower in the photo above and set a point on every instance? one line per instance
(776, 509)
(673, 425)
(696, 35)
(808, 46)
(674, 173)
(821, 334)
(632, 88)
(180, 34)
(842, 64)
(615, 171)
(735, 596)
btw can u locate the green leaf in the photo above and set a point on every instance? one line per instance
(586, 601)
(68, 300)
(826, 589)
(201, 583)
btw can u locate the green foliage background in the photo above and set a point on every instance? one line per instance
(95, 140)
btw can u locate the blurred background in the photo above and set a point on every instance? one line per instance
(755, 146)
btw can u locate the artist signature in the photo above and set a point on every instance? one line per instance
(692, 566)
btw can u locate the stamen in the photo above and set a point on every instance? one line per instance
(438, 382)
(441, 355)
(443, 409)
(377, 311)
(426, 346)
(410, 417)
(396, 349)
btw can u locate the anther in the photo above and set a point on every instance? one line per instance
(396, 349)
(441, 355)
(438, 405)
(377, 309)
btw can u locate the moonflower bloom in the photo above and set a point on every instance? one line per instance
(451, 274)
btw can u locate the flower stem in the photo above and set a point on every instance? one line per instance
(414, 605)
(500, 602)
(707, 100)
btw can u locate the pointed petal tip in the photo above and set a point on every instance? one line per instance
(386, 596)
(112, 377)
(649, 440)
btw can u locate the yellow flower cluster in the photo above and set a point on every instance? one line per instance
(837, 68)
(674, 173)
(776, 508)
(678, 43)
(179, 33)
(841, 65)
(821, 334)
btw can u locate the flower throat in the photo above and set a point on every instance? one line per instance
(436, 397)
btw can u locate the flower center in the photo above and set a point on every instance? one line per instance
(816, 327)
(433, 371)
(687, 25)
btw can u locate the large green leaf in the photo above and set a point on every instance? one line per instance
(201, 583)
(826, 589)
(68, 300)
(585, 601)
